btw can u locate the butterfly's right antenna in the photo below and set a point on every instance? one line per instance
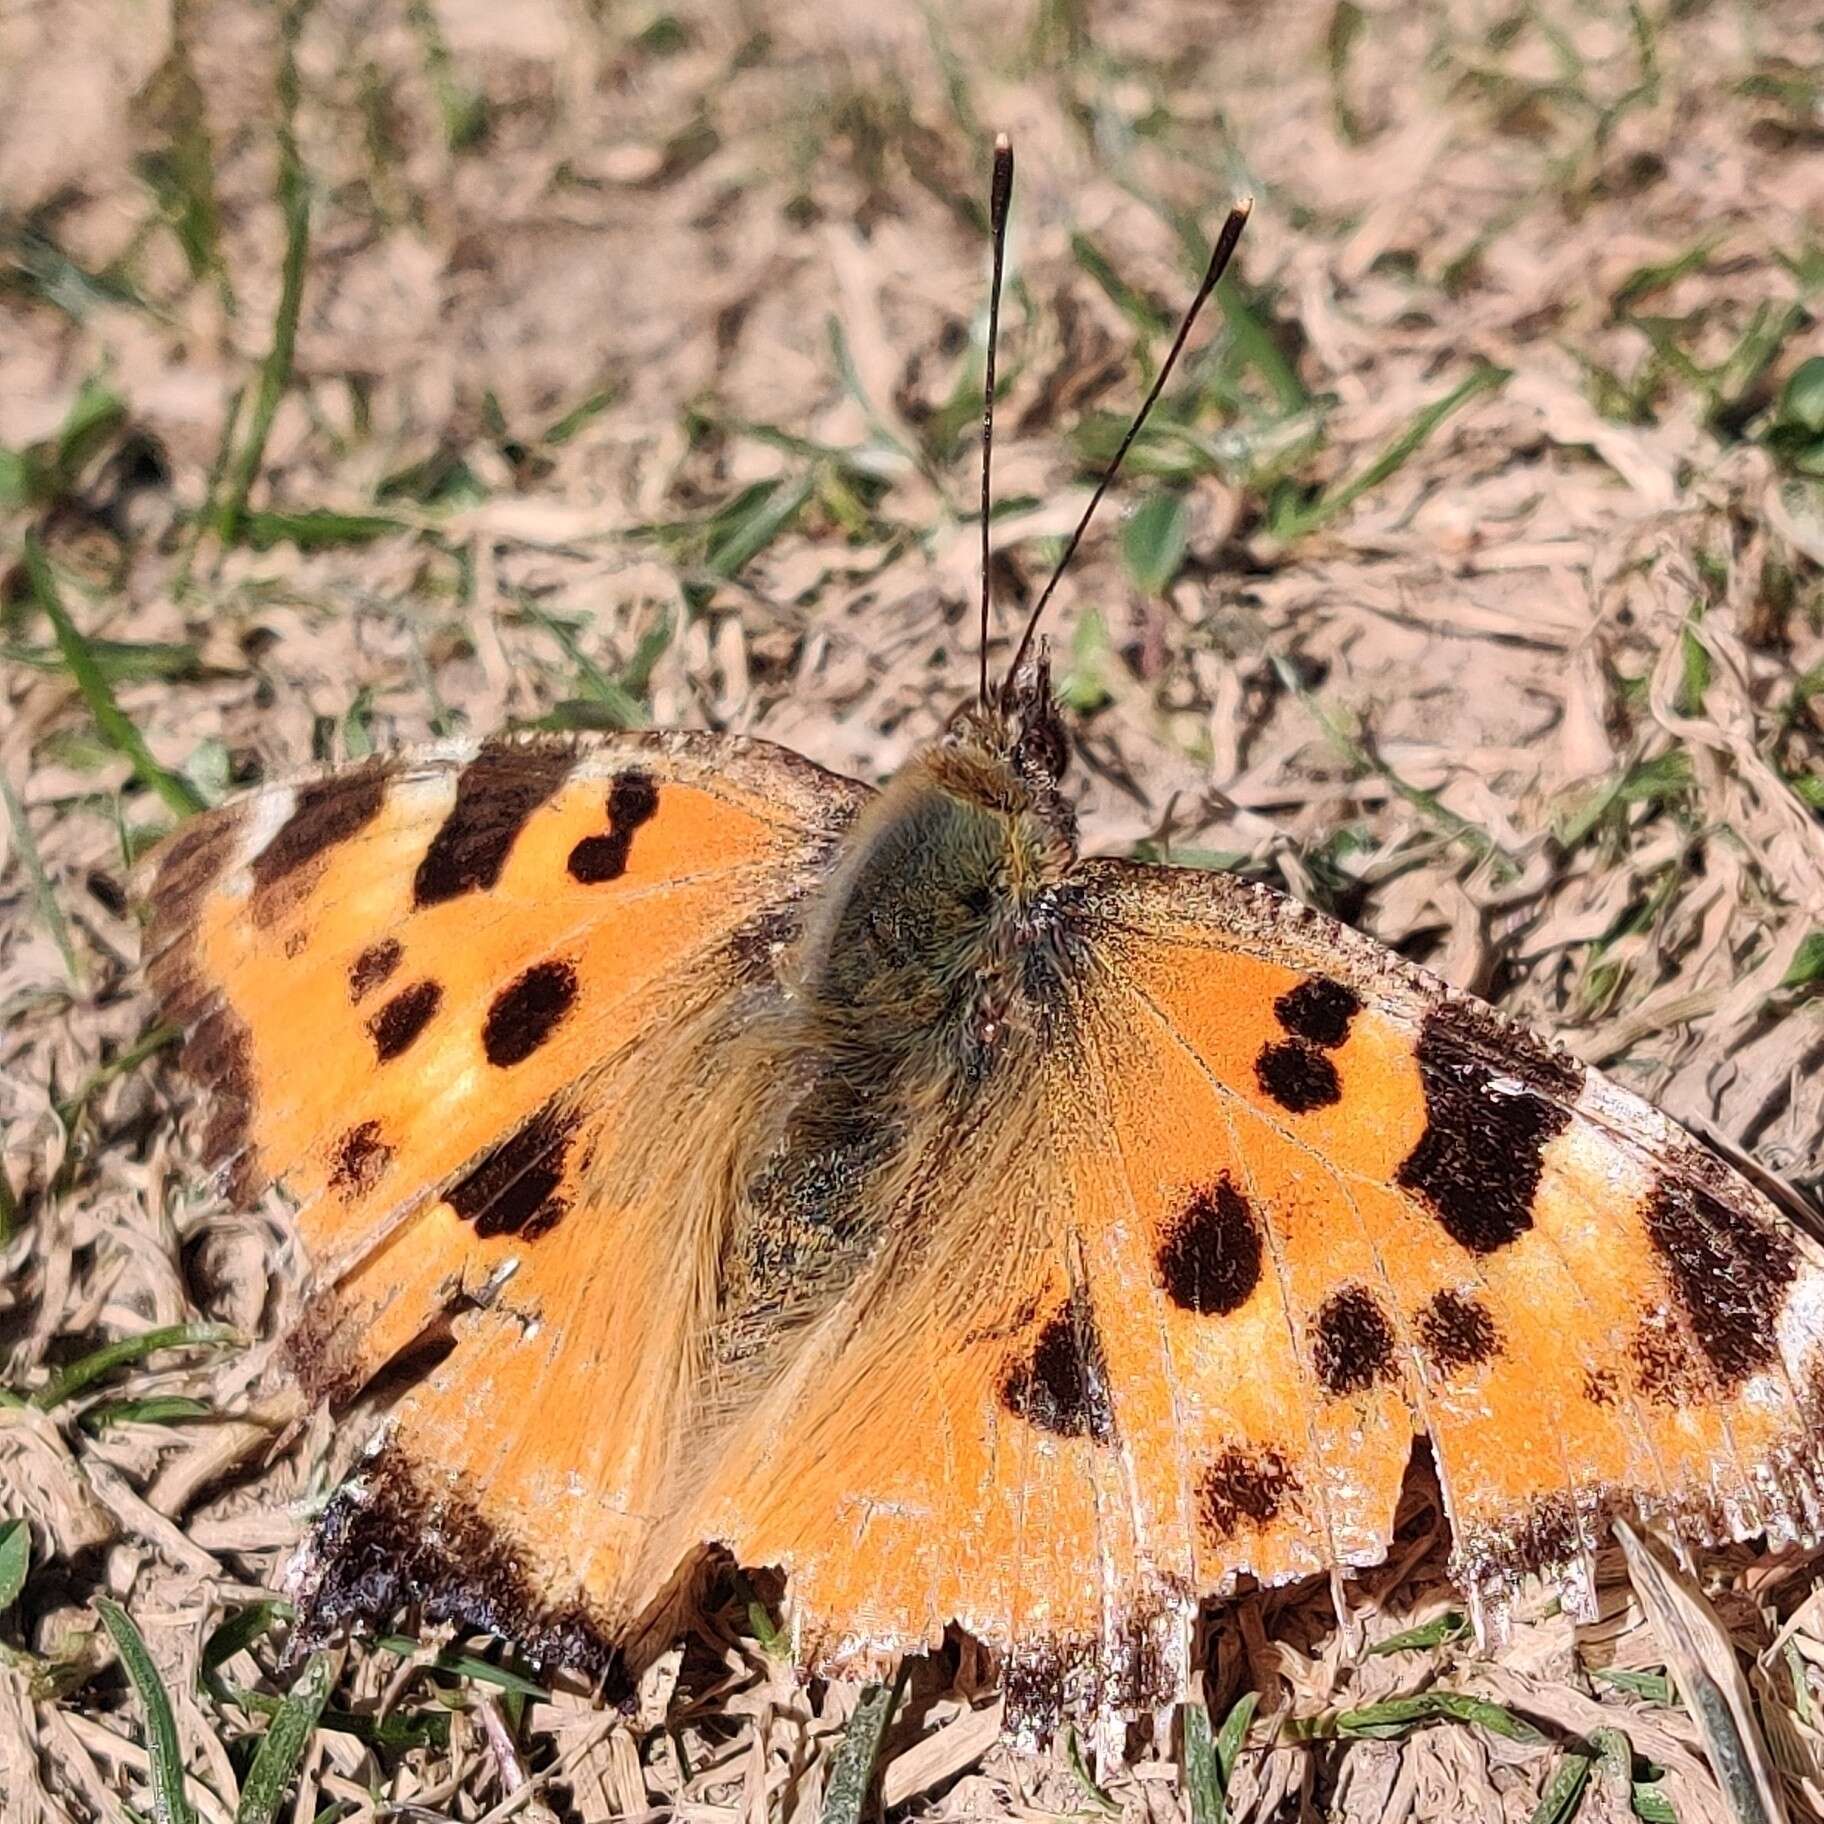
(1000, 193)
(1219, 260)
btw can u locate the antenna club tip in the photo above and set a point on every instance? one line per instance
(1244, 206)
(1002, 144)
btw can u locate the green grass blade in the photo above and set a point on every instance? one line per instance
(179, 164)
(162, 1409)
(624, 709)
(852, 1769)
(1233, 1733)
(1202, 1777)
(92, 1367)
(15, 1561)
(282, 1747)
(70, 1111)
(1153, 541)
(294, 206)
(469, 1666)
(116, 730)
(209, 514)
(119, 661)
(1254, 341)
(1321, 511)
(464, 112)
(737, 540)
(1562, 1798)
(1438, 1632)
(1209, 1764)
(566, 427)
(1807, 965)
(1397, 1715)
(314, 528)
(1098, 1799)
(241, 1630)
(43, 896)
(648, 650)
(1138, 309)
(170, 1804)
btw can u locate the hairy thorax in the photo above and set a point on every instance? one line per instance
(914, 1004)
(914, 956)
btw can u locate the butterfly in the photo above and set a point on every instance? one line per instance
(868, 1184)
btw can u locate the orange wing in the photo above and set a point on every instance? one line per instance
(423, 991)
(1273, 1203)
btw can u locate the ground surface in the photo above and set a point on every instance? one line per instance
(1469, 585)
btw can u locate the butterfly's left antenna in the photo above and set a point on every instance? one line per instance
(1219, 261)
(1000, 192)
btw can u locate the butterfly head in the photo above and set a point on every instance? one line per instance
(1007, 755)
(1020, 727)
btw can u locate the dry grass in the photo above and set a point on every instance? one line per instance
(636, 358)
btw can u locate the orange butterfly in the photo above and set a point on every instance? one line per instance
(870, 1186)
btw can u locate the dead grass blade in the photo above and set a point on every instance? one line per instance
(1701, 1658)
(44, 896)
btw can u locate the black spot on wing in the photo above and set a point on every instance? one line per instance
(1667, 1369)
(1729, 1273)
(1243, 1490)
(397, 1023)
(1062, 1385)
(526, 1012)
(386, 1543)
(1458, 1332)
(1209, 1259)
(1352, 1342)
(495, 794)
(1600, 1386)
(219, 1055)
(324, 813)
(1132, 1666)
(188, 866)
(373, 967)
(1319, 1010)
(633, 799)
(357, 1161)
(1298, 1076)
(513, 1191)
(1494, 1098)
(1542, 1536)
